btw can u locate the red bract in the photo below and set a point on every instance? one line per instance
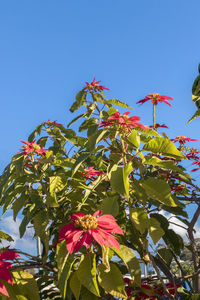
(196, 163)
(94, 86)
(156, 98)
(123, 120)
(32, 148)
(90, 173)
(157, 125)
(51, 123)
(179, 187)
(4, 269)
(84, 229)
(142, 295)
(192, 154)
(182, 140)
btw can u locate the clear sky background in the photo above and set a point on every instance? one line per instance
(50, 48)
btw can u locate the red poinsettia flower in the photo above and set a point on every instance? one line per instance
(85, 229)
(182, 140)
(192, 154)
(128, 288)
(91, 173)
(123, 120)
(157, 125)
(196, 163)
(142, 295)
(156, 98)
(179, 187)
(94, 86)
(32, 148)
(4, 269)
(51, 123)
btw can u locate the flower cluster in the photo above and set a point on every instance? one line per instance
(155, 99)
(85, 229)
(32, 148)
(91, 173)
(182, 140)
(157, 125)
(122, 121)
(94, 87)
(148, 291)
(51, 123)
(4, 269)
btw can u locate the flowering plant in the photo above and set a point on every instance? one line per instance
(100, 202)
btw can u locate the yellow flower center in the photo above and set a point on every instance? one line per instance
(87, 222)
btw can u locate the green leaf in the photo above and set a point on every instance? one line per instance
(118, 103)
(119, 179)
(173, 241)
(36, 132)
(80, 100)
(87, 273)
(112, 282)
(83, 156)
(155, 230)
(134, 138)
(61, 256)
(159, 190)
(165, 164)
(131, 262)
(162, 220)
(56, 184)
(5, 236)
(110, 205)
(196, 115)
(148, 131)
(40, 222)
(86, 295)
(163, 146)
(140, 219)
(18, 204)
(75, 119)
(87, 123)
(96, 137)
(165, 255)
(64, 275)
(25, 286)
(75, 285)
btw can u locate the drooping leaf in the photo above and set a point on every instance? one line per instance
(80, 100)
(118, 103)
(5, 236)
(65, 274)
(131, 262)
(173, 240)
(156, 232)
(134, 138)
(110, 205)
(196, 115)
(87, 273)
(159, 190)
(163, 146)
(112, 282)
(75, 285)
(139, 218)
(87, 123)
(166, 256)
(119, 179)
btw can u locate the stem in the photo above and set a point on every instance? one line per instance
(154, 116)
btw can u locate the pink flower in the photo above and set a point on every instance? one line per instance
(90, 173)
(156, 98)
(182, 140)
(32, 148)
(84, 229)
(94, 86)
(157, 125)
(123, 121)
(4, 269)
(192, 154)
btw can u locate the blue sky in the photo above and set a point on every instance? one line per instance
(50, 48)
